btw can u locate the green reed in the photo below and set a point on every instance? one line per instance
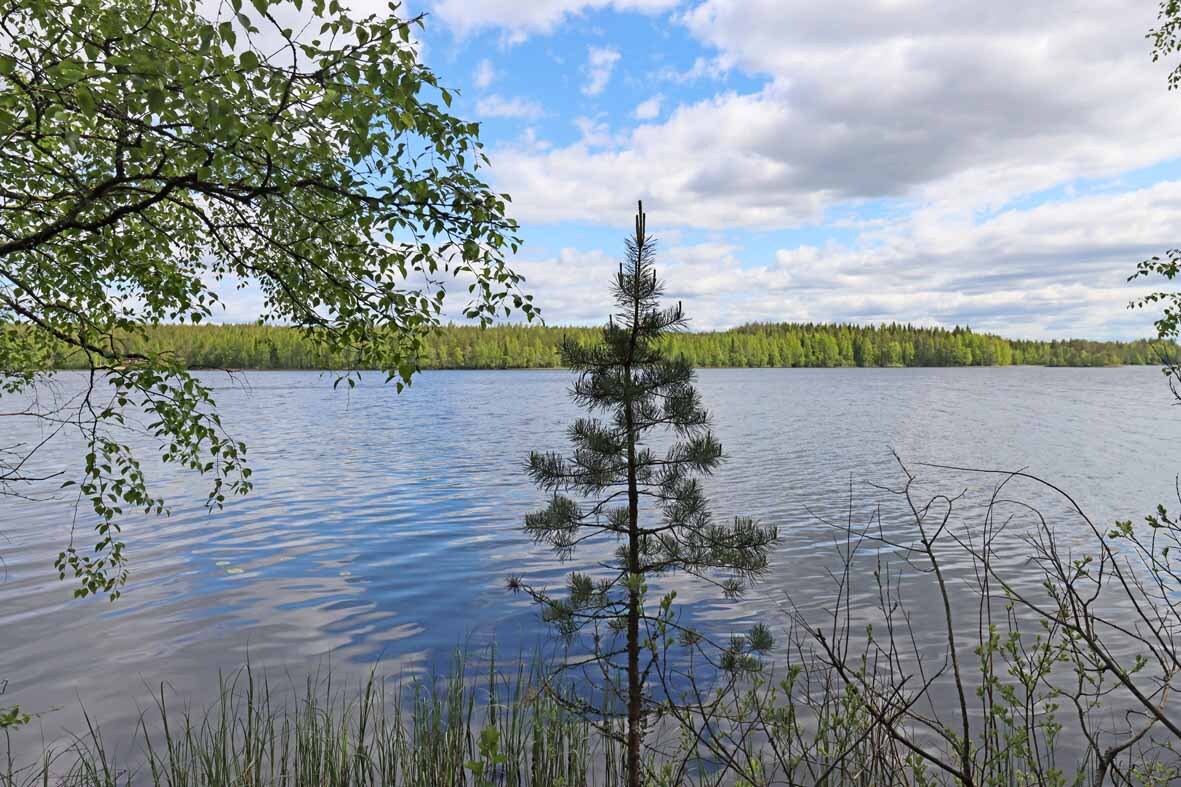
(506, 728)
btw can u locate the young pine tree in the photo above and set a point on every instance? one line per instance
(615, 486)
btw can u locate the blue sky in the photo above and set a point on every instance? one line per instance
(1003, 164)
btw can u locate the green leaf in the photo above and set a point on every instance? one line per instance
(156, 99)
(85, 98)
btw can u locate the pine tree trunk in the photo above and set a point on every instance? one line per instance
(634, 697)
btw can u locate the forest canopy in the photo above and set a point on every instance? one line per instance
(251, 346)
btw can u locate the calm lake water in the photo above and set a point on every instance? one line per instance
(382, 526)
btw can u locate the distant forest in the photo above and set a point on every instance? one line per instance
(764, 344)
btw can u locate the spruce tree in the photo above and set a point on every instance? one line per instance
(617, 487)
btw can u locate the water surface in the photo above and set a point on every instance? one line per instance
(382, 526)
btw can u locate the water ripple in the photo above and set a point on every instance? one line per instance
(382, 526)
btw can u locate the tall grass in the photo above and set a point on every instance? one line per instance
(503, 729)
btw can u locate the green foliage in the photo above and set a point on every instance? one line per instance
(634, 390)
(151, 156)
(1165, 38)
(532, 346)
(1166, 41)
(1168, 324)
(13, 717)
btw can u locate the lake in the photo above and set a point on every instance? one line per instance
(382, 526)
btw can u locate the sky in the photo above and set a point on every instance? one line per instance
(1002, 165)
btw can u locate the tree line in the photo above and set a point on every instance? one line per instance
(251, 346)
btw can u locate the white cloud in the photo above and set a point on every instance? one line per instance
(519, 18)
(1057, 270)
(702, 68)
(574, 284)
(649, 109)
(484, 75)
(500, 107)
(914, 100)
(594, 132)
(600, 63)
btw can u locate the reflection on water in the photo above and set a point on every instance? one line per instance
(382, 526)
